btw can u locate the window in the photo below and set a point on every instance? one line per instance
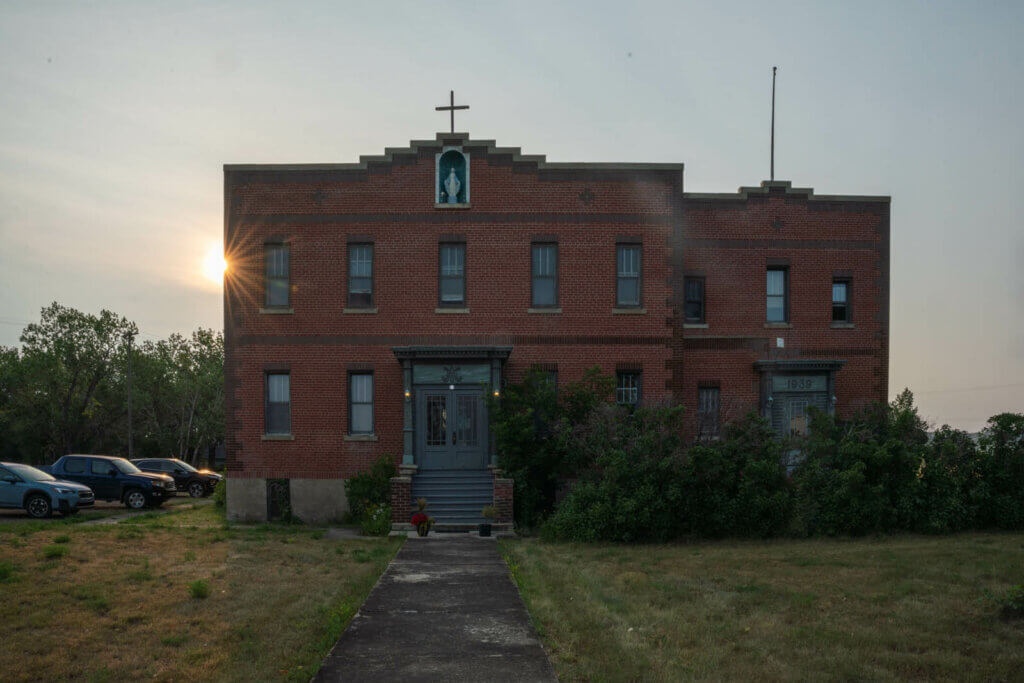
(551, 378)
(74, 465)
(545, 275)
(360, 403)
(707, 412)
(694, 306)
(102, 467)
(840, 301)
(628, 275)
(279, 403)
(627, 390)
(360, 275)
(453, 275)
(277, 275)
(778, 305)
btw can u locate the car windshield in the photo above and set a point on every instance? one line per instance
(30, 473)
(125, 466)
(184, 465)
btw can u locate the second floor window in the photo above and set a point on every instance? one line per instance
(707, 412)
(840, 301)
(694, 307)
(453, 275)
(627, 388)
(777, 288)
(279, 403)
(545, 275)
(627, 289)
(360, 403)
(277, 256)
(360, 275)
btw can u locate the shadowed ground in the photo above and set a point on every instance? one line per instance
(445, 609)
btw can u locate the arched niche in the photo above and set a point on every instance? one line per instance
(450, 160)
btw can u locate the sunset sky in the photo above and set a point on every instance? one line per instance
(116, 119)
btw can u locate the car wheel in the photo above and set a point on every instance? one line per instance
(196, 489)
(39, 507)
(135, 500)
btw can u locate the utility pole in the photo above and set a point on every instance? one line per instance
(773, 123)
(128, 337)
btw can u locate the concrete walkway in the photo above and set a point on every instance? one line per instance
(444, 610)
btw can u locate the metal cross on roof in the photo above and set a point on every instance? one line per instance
(451, 108)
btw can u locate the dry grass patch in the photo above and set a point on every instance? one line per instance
(178, 597)
(889, 609)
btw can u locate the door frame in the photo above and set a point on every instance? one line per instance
(478, 455)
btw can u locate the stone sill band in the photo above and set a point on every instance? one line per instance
(778, 326)
(542, 311)
(452, 206)
(276, 311)
(360, 437)
(363, 311)
(278, 437)
(451, 310)
(629, 311)
(695, 326)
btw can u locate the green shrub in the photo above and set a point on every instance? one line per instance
(377, 521)
(220, 494)
(63, 538)
(999, 491)
(199, 589)
(6, 571)
(369, 489)
(1013, 603)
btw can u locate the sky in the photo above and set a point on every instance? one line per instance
(116, 119)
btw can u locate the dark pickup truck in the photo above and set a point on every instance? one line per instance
(114, 479)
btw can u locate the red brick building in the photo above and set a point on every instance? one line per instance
(369, 308)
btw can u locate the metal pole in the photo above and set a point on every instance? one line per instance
(128, 337)
(773, 123)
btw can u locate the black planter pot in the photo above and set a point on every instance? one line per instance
(485, 529)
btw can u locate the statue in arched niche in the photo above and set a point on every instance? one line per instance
(452, 177)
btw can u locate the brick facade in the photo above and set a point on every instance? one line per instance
(389, 201)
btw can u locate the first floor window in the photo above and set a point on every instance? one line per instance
(840, 301)
(277, 274)
(360, 275)
(627, 281)
(694, 308)
(707, 412)
(279, 403)
(777, 290)
(453, 274)
(360, 403)
(627, 390)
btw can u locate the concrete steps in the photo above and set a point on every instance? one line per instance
(454, 497)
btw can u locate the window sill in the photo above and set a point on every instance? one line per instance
(362, 311)
(451, 310)
(778, 326)
(276, 311)
(695, 326)
(842, 326)
(438, 205)
(360, 437)
(629, 311)
(542, 311)
(278, 437)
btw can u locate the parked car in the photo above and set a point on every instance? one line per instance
(197, 483)
(23, 486)
(113, 478)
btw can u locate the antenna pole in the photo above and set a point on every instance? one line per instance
(773, 124)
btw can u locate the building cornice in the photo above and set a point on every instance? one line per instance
(782, 188)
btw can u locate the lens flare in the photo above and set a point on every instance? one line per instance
(214, 265)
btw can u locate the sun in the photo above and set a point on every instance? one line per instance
(214, 265)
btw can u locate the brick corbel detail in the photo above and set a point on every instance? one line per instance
(503, 492)
(401, 500)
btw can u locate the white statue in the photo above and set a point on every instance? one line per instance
(452, 186)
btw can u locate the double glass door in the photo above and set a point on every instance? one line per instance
(451, 428)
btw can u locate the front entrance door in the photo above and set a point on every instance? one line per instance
(451, 428)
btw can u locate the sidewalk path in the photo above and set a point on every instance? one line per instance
(444, 610)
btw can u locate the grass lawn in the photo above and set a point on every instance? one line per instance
(906, 607)
(176, 597)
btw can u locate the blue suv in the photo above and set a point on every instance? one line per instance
(22, 486)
